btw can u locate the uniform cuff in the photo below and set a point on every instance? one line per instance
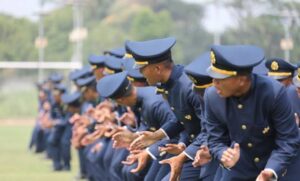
(186, 154)
(221, 165)
(168, 138)
(151, 155)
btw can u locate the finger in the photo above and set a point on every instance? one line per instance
(161, 149)
(165, 161)
(144, 133)
(196, 163)
(226, 158)
(135, 146)
(231, 153)
(198, 155)
(115, 144)
(223, 160)
(124, 116)
(136, 151)
(140, 167)
(228, 154)
(171, 145)
(129, 109)
(128, 162)
(116, 136)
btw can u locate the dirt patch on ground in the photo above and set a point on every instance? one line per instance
(17, 122)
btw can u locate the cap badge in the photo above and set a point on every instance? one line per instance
(212, 57)
(274, 65)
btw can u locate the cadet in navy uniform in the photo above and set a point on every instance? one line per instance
(56, 78)
(87, 87)
(198, 150)
(91, 99)
(154, 59)
(283, 71)
(38, 134)
(56, 116)
(72, 101)
(153, 112)
(98, 66)
(296, 104)
(113, 65)
(84, 72)
(251, 128)
(97, 63)
(134, 75)
(116, 52)
(96, 157)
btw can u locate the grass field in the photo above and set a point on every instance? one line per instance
(18, 104)
(18, 164)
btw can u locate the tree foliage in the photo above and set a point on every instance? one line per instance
(111, 22)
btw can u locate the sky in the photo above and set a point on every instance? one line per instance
(29, 9)
(22, 8)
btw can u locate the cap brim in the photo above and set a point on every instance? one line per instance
(137, 66)
(278, 77)
(216, 75)
(296, 81)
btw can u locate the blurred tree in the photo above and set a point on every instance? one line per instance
(147, 25)
(260, 22)
(192, 38)
(111, 22)
(262, 31)
(17, 39)
(58, 25)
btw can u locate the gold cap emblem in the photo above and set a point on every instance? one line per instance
(212, 57)
(274, 65)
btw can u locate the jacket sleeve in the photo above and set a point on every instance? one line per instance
(287, 138)
(218, 137)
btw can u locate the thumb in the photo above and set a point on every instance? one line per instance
(204, 147)
(236, 147)
(129, 109)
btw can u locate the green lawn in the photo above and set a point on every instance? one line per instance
(16, 104)
(18, 164)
